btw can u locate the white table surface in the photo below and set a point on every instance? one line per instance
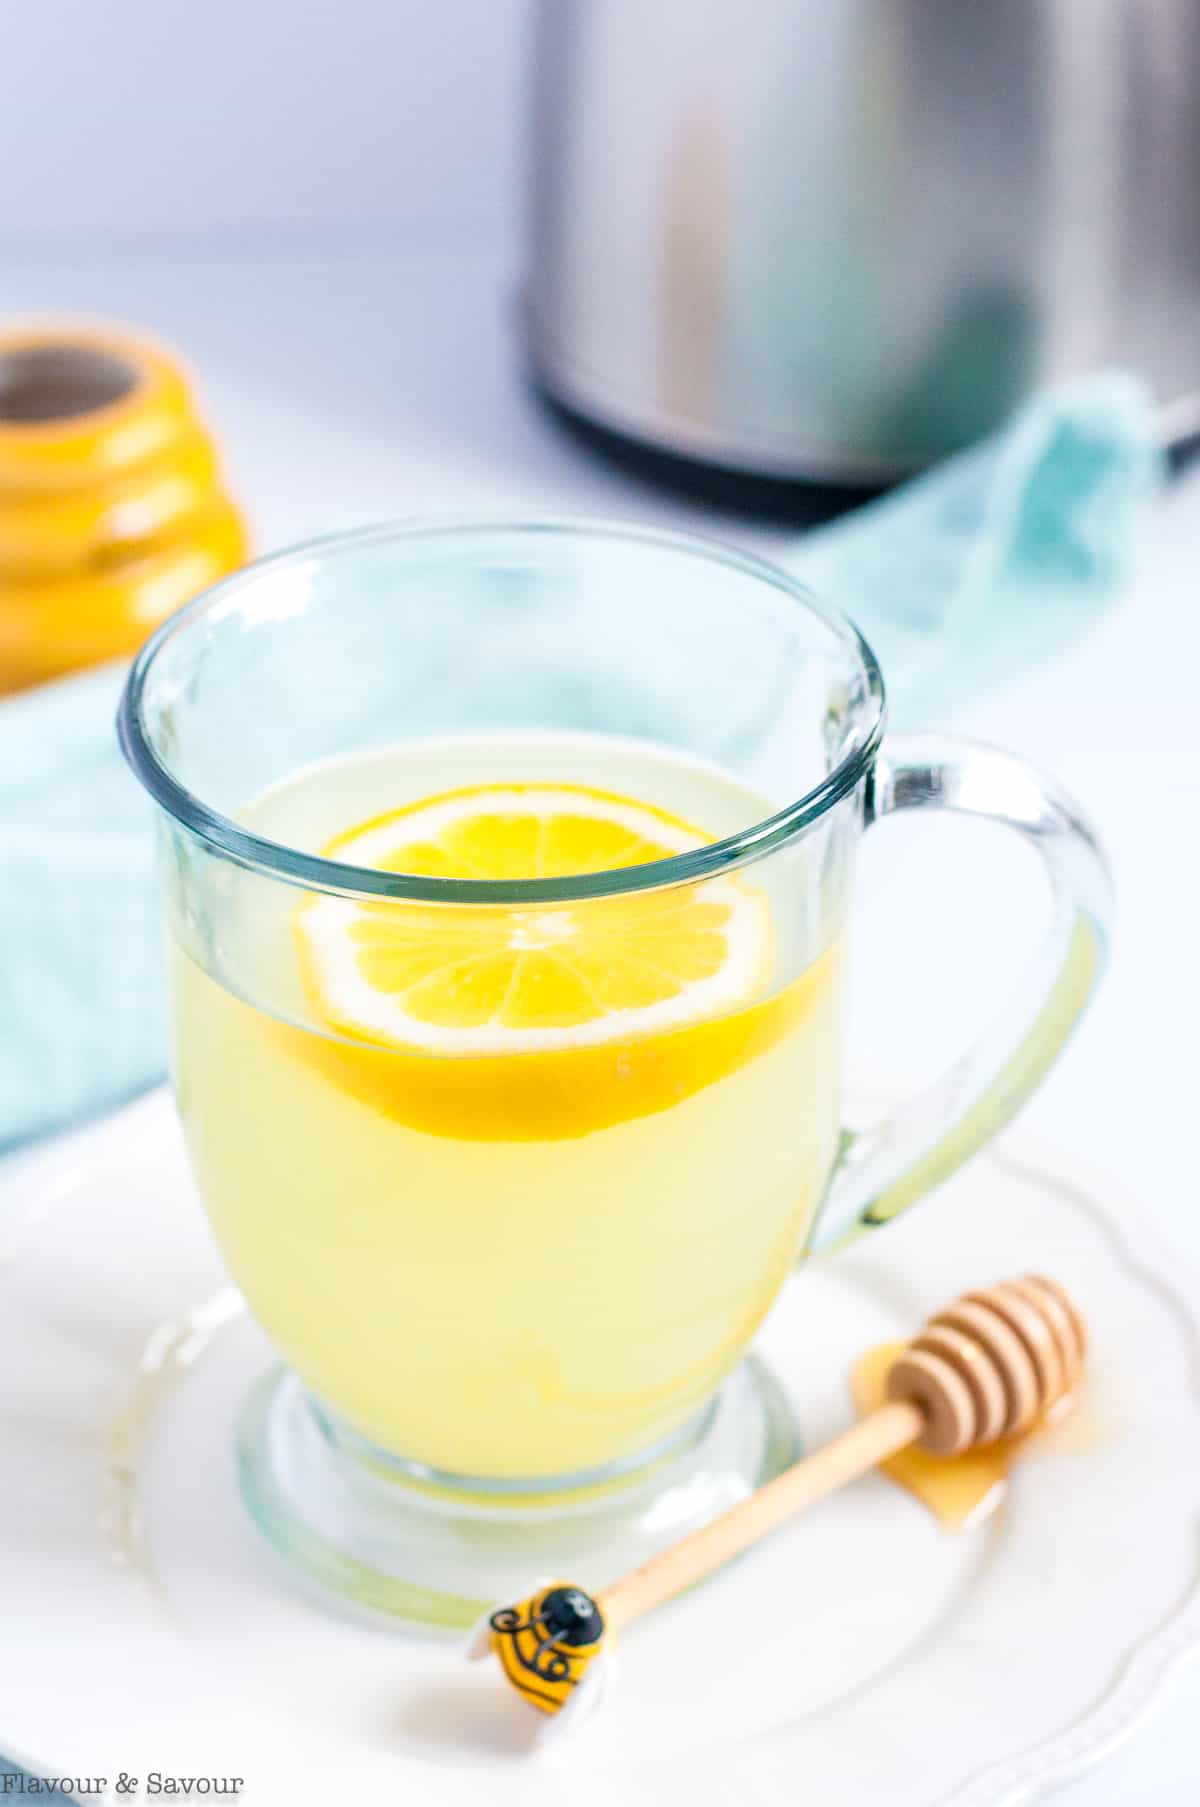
(366, 384)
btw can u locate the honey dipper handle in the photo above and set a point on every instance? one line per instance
(866, 1444)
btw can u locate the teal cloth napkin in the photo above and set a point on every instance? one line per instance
(994, 561)
(81, 1009)
(960, 580)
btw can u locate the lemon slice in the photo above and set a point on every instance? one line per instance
(472, 980)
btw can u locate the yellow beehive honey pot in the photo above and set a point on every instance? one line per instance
(112, 508)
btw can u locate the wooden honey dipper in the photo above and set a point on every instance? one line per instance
(986, 1367)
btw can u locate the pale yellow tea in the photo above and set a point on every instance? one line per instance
(511, 1188)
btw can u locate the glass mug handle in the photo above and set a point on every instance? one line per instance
(884, 1169)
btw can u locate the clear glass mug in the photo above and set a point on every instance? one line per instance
(513, 1242)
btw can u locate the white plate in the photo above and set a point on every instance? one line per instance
(862, 1655)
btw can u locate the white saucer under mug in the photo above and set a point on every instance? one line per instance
(860, 1656)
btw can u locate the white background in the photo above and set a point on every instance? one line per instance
(238, 121)
(320, 204)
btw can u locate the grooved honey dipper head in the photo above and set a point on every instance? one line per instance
(991, 1363)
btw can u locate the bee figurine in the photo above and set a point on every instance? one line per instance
(553, 1649)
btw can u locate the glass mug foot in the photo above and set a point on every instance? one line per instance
(393, 1538)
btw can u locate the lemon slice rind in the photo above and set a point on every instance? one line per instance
(351, 1003)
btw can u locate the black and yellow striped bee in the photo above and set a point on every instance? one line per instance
(548, 1647)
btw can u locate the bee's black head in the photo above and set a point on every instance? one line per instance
(572, 1617)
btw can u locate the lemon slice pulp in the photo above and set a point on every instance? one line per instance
(492, 980)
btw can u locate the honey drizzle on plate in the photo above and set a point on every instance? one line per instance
(960, 1491)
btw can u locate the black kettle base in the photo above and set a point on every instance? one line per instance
(793, 501)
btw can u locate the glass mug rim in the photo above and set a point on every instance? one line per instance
(278, 860)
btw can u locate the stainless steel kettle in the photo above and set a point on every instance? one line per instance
(838, 238)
